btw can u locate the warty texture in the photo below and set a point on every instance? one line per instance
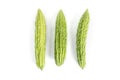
(60, 39)
(40, 39)
(81, 39)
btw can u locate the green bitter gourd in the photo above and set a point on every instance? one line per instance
(60, 39)
(81, 39)
(40, 39)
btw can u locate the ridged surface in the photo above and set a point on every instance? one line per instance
(81, 39)
(40, 39)
(60, 39)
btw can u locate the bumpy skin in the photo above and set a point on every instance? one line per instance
(81, 39)
(60, 39)
(40, 39)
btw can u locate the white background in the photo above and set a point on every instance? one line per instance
(17, 19)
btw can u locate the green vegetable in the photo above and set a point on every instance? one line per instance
(40, 39)
(60, 39)
(81, 39)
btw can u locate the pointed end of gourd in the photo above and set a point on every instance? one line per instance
(39, 12)
(40, 17)
(61, 12)
(41, 68)
(86, 13)
(58, 64)
(85, 17)
(82, 66)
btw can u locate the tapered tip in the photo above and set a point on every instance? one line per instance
(86, 12)
(39, 11)
(59, 63)
(85, 15)
(82, 66)
(41, 68)
(61, 12)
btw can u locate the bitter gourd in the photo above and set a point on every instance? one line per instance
(81, 39)
(40, 39)
(60, 38)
